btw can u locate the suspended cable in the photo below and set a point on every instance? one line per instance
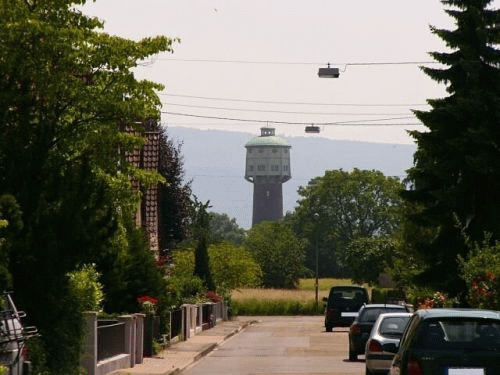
(241, 177)
(291, 103)
(298, 63)
(284, 112)
(354, 122)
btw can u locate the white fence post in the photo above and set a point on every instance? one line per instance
(139, 338)
(130, 336)
(89, 355)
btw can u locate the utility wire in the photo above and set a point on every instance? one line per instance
(242, 176)
(299, 63)
(355, 122)
(291, 103)
(284, 112)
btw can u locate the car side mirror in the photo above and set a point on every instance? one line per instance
(390, 347)
(325, 299)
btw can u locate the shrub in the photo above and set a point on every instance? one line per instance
(481, 272)
(86, 288)
(276, 307)
(233, 267)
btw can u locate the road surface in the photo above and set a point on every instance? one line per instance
(282, 346)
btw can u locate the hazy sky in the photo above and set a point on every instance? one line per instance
(257, 61)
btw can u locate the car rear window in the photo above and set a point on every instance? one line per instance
(348, 293)
(460, 333)
(393, 326)
(371, 314)
(347, 298)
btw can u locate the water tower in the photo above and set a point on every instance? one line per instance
(267, 167)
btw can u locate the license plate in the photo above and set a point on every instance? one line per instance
(465, 371)
(349, 314)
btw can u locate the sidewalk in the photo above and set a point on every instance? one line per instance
(181, 354)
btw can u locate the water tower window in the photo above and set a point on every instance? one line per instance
(275, 168)
(285, 168)
(261, 167)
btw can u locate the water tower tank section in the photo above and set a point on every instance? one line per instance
(267, 167)
(268, 158)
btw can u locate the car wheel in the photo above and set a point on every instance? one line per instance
(329, 328)
(368, 372)
(352, 355)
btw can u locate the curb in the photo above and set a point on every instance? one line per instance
(212, 347)
(209, 347)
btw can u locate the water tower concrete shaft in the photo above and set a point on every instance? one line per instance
(267, 167)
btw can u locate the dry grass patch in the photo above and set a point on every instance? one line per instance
(305, 292)
(276, 295)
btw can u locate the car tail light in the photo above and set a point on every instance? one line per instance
(413, 367)
(355, 330)
(374, 346)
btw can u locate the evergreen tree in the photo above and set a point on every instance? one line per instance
(174, 197)
(456, 174)
(201, 234)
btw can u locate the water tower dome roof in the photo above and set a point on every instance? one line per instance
(267, 138)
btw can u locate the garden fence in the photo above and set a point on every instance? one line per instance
(113, 344)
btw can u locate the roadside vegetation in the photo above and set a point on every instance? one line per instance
(69, 240)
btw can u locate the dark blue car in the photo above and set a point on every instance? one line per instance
(449, 342)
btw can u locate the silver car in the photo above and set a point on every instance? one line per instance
(388, 328)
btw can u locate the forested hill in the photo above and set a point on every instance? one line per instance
(215, 161)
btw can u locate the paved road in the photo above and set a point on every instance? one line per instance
(284, 346)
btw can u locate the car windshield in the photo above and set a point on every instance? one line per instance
(348, 293)
(393, 326)
(480, 334)
(371, 314)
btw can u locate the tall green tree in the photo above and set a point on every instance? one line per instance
(201, 235)
(342, 206)
(65, 89)
(174, 196)
(279, 253)
(368, 257)
(456, 175)
(223, 228)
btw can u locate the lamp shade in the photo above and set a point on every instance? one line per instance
(328, 72)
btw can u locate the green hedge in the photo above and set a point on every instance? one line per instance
(383, 295)
(276, 307)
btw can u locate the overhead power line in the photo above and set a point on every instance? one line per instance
(299, 62)
(291, 103)
(355, 122)
(284, 112)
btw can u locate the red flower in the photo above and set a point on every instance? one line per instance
(213, 296)
(144, 298)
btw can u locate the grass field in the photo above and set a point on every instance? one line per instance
(305, 292)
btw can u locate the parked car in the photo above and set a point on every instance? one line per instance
(13, 336)
(449, 341)
(388, 328)
(361, 327)
(342, 305)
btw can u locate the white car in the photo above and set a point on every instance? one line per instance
(13, 336)
(388, 328)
